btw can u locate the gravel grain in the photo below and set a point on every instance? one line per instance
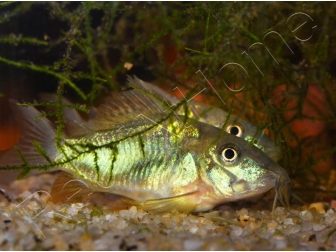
(31, 222)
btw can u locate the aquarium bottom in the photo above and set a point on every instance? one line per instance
(31, 222)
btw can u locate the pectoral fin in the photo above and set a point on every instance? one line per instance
(184, 203)
(67, 189)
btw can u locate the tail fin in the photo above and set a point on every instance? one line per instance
(32, 130)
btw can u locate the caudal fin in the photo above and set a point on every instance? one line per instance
(34, 132)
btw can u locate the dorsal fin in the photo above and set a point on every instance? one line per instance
(69, 114)
(75, 129)
(198, 109)
(128, 108)
(137, 83)
(75, 126)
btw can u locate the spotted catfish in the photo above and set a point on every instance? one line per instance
(138, 149)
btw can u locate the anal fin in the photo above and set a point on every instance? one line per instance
(184, 203)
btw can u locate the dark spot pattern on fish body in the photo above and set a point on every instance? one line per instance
(136, 165)
(145, 164)
(145, 173)
(123, 162)
(96, 164)
(113, 160)
(152, 168)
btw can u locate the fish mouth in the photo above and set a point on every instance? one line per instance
(282, 186)
(283, 192)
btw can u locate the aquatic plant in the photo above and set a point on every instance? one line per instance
(277, 69)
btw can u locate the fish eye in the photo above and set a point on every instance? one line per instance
(235, 129)
(229, 154)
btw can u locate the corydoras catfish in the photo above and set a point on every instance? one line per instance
(138, 149)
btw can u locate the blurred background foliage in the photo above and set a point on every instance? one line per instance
(280, 55)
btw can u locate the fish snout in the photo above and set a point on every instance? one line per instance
(282, 184)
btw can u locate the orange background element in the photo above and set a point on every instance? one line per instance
(9, 132)
(314, 129)
(8, 136)
(314, 106)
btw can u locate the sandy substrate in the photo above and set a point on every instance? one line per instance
(30, 222)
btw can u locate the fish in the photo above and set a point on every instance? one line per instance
(137, 148)
(195, 110)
